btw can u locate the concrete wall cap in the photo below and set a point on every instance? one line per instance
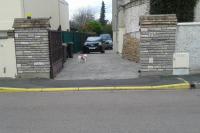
(32, 23)
(188, 24)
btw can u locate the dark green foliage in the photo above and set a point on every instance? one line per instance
(92, 27)
(107, 29)
(102, 19)
(184, 9)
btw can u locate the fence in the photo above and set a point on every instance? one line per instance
(76, 38)
(56, 52)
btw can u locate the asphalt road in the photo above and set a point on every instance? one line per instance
(45, 83)
(101, 112)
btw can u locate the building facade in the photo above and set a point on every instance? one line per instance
(197, 12)
(7, 55)
(57, 10)
(126, 14)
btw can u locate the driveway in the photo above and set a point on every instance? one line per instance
(99, 66)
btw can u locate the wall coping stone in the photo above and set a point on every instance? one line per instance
(188, 24)
(32, 23)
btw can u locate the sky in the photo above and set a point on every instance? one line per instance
(95, 5)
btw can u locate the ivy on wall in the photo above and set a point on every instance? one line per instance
(184, 9)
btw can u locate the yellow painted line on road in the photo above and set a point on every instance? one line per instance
(181, 86)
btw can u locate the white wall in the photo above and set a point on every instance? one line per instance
(115, 43)
(7, 58)
(64, 15)
(9, 9)
(114, 15)
(43, 8)
(123, 2)
(57, 9)
(121, 33)
(197, 12)
(132, 16)
(121, 30)
(188, 41)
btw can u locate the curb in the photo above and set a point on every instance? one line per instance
(181, 86)
(195, 85)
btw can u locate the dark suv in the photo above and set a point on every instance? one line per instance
(93, 44)
(107, 41)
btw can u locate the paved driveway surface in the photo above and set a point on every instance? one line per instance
(99, 66)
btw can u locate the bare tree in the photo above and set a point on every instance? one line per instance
(82, 16)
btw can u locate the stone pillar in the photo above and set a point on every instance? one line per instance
(157, 46)
(32, 48)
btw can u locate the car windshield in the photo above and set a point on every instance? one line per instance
(106, 37)
(93, 39)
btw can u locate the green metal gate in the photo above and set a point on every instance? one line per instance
(76, 38)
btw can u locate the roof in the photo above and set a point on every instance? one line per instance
(32, 23)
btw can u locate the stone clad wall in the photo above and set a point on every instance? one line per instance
(32, 48)
(32, 53)
(158, 38)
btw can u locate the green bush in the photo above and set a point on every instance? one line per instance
(107, 29)
(92, 26)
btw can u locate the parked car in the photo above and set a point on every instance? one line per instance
(107, 40)
(93, 44)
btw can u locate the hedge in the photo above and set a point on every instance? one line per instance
(184, 9)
